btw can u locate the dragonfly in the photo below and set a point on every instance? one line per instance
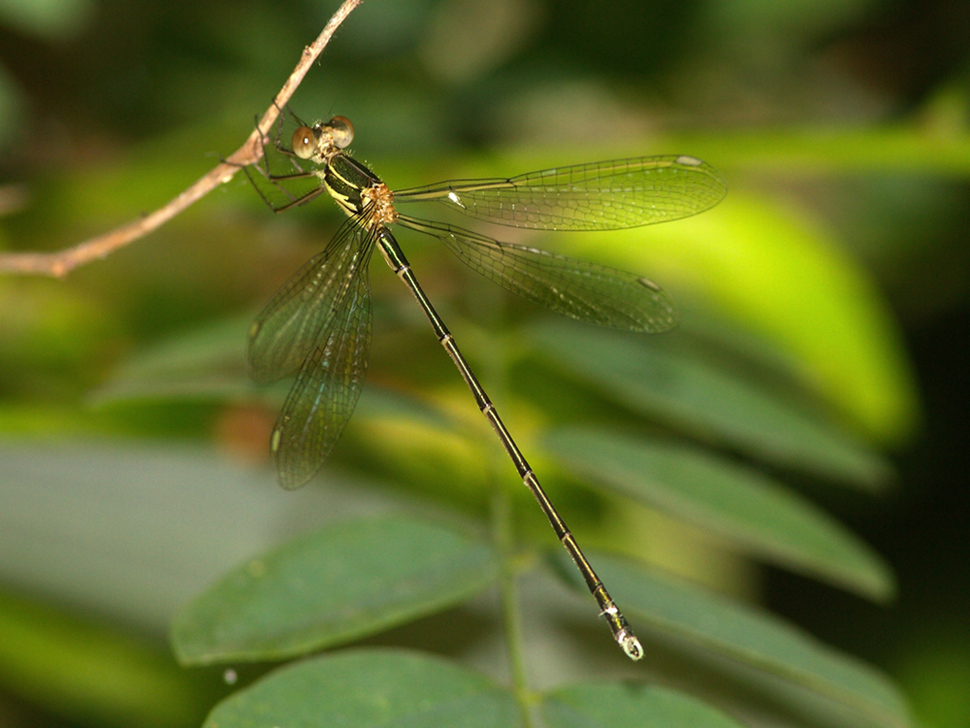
(318, 326)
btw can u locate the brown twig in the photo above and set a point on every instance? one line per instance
(59, 264)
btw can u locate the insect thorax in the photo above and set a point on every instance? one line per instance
(355, 188)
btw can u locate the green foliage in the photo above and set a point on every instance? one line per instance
(354, 579)
(378, 687)
(384, 687)
(88, 671)
(417, 560)
(737, 503)
(351, 580)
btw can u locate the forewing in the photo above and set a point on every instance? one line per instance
(573, 287)
(621, 193)
(293, 323)
(326, 390)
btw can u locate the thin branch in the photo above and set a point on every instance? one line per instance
(59, 264)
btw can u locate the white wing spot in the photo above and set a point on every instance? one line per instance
(688, 161)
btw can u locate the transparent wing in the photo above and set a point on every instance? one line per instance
(610, 195)
(318, 324)
(573, 287)
(303, 310)
(323, 398)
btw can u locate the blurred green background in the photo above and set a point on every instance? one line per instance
(841, 250)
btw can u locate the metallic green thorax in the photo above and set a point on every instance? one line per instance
(346, 180)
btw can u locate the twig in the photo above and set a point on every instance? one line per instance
(59, 264)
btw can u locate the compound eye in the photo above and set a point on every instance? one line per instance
(304, 142)
(341, 131)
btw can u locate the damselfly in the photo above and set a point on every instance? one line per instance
(318, 325)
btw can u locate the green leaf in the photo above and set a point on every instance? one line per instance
(735, 502)
(208, 363)
(349, 580)
(751, 637)
(709, 403)
(369, 688)
(628, 706)
(780, 271)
